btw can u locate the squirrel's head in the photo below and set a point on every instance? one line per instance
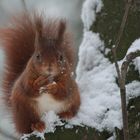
(52, 55)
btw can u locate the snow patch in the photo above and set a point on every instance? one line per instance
(133, 89)
(133, 48)
(52, 120)
(89, 10)
(96, 77)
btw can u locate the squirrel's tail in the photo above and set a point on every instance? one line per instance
(18, 44)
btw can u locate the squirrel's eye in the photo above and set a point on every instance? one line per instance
(38, 56)
(61, 58)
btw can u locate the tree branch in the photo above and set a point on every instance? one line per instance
(124, 69)
(121, 75)
(126, 63)
(123, 23)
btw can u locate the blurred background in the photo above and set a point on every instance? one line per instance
(68, 9)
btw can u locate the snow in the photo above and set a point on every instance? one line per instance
(51, 120)
(133, 89)
(37, 134)
(96, 78)
(89, 10)
(133, 48)
(112, 138)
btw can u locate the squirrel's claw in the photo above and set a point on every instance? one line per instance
(42, 90)
(50, 88)
(40, 81)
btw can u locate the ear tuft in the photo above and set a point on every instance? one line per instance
(61, 30)
(39, 26)
(38, 29)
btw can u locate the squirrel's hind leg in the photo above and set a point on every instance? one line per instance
(71, 112)
(39, 126)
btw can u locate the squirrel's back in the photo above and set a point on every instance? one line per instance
(18, 44)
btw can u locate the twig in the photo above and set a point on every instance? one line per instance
(126, 63)
(120, 33)
(123, 23)
(121, 76)
(116, 64)
(124, 69)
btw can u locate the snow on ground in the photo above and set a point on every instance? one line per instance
(97, 83)
(96, 77)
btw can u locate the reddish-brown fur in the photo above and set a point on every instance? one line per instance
(33, 47)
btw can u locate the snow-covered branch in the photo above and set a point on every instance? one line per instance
(128, 59)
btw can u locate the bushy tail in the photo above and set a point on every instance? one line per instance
(18, 44)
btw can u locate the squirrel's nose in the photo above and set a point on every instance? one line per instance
(49, 68)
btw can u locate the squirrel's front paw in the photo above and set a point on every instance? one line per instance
(50, 88)
(42, 90)
(39, 126)
(40, 82)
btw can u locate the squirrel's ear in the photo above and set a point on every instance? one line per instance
(36, 43)
(39, 26)
(61, 30)
(38, 32)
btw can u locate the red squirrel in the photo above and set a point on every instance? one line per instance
(37, 78)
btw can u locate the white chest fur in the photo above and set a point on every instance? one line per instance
(47, 103)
